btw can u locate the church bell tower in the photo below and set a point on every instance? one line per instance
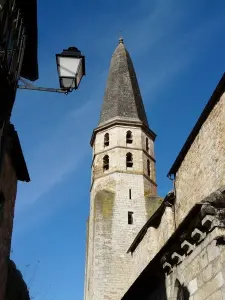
(123, 173)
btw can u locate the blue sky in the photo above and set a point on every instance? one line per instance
(178, 50)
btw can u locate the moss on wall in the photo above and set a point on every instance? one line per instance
(104, 202)
(152, 203)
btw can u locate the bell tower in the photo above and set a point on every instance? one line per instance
(123, 173)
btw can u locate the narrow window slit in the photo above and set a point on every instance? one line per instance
(147, 145)
(148, 167)
(130, 218)
(130, 194)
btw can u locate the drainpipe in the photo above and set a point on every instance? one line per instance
(174, 189)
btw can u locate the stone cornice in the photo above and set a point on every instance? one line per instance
(205, 217)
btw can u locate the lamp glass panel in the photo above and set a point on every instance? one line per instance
(79, 73)
(68, 66)
(67, 82)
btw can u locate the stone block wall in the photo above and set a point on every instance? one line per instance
(202, 272)
(152, 242)
(203, 168)
(110, 235)
(117, 150)
(189, 260)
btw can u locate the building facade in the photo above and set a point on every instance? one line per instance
(18, 57)
(140, 246)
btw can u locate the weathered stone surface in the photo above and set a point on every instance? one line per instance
(216, 296)
(210, 288)
(202, 170)
(213, 251)
(193, 286)
(203, 259)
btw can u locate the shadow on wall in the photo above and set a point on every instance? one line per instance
(179, 292)
(182, 292)
(153, 285)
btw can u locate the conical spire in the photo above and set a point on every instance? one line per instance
(122, 99)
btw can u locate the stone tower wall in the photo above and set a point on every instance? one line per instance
(108, 267)
(118, 149)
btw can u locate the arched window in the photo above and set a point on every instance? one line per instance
(105, 163)
(106, 140)
(147, 146)
(129, 138)
(129, 160)
(148, 167)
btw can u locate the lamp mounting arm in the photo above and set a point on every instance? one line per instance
(29, 86)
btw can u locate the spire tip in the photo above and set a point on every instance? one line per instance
(121, 40)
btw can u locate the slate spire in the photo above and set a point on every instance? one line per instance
(122, 99)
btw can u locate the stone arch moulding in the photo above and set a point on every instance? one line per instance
(129, 160)
(106, 139)
(105, 163)
(129, 137)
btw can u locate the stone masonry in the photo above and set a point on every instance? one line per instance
(203, 168)
(183, 242)
(121, 189)
(110, 235)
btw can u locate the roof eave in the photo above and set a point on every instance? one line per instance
(30, 62)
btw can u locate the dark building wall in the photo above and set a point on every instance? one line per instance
(16, 288)
(12, 169)
(8, 187)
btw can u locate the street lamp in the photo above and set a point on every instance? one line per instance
(71, 69)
